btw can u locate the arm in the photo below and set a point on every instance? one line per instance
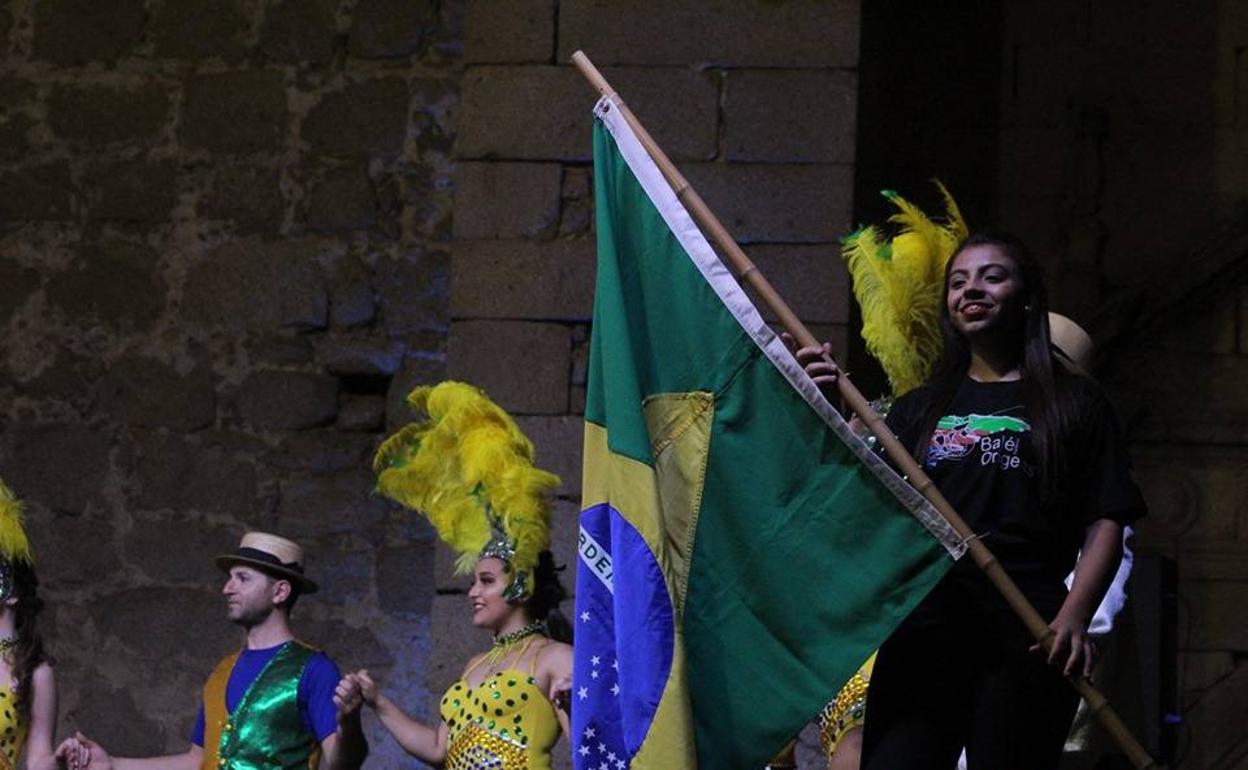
(426, 743)
(345, 748)
(39, 754)
(81, 752)
(1098, 560)
(557, 663)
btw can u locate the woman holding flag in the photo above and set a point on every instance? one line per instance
(1032, 457)
(469, 469)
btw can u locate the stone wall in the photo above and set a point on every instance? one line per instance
(1124, 159)
(223, 261)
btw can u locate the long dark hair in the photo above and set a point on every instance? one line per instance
(548, 593)
(1047, 397)
(27, 652)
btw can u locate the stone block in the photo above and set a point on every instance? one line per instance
(129, 191)
(245, 283)
(367, 118)
(523, 366)
(405, 584)
(523, 279)
(280, 350)
(415, 371)
(17, 283)
(275, 399)
(235, 112)
(116, 283)
(332, 504)
(173, 474)
(1214, 725)
(126, 617)
(40, 192)
(351, 301)
(361, 413)
(509, 31)
(321, 451)
(199, 29)
(557, 441)
(112, 716)
(1191, 491)
(300, 31)
(34, 467)
(15, 141)
(249, 196)
(386, 29)
(360, 355)
(142, 391)
(679, 107)
(344, 571)
(506, 200)
(352, 647)
(342, 200)
(811, 279)
(755, 33)
(1211, 610)
(177, 548)
(414, 291)
(73, 550)
(799, 116)
(777, 203)
(78, 32)
(453, 640)
(102, 114)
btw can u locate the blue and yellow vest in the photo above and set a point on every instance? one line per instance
(265, 730)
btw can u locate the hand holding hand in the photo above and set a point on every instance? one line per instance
(80, 753)
(368, 688)
(561, 692)
(347, 696)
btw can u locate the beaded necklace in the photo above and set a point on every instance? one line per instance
(505, 644)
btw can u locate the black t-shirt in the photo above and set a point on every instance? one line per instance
(981, 458)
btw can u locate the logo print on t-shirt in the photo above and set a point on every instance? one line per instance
(956, 435)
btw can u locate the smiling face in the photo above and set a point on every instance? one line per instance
(984, 293)
(489, 608)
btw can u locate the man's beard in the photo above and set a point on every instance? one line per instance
(249, 617)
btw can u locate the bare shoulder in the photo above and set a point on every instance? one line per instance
(472, 663)
(43, 676)
(555, 656)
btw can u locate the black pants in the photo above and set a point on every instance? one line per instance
(957, 673)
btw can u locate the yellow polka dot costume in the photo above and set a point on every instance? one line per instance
(14, 547)
(504, 723)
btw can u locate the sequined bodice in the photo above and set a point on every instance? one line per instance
(12, 726)
(504, 723)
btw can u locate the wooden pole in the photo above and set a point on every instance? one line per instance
(748, 273)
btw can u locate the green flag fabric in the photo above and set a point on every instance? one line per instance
(741, 551)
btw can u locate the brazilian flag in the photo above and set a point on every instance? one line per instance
(741, 551)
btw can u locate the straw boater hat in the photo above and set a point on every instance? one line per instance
(272, 555)
(1073, 342)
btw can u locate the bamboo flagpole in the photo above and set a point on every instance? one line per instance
(748, 273)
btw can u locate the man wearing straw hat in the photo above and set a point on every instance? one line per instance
(273, 703)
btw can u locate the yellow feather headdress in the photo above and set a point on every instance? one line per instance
(899, 283)
(468, 468)
(14, 545)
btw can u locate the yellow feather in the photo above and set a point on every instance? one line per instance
(464, 457)
(899, 286)
(14, 544)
